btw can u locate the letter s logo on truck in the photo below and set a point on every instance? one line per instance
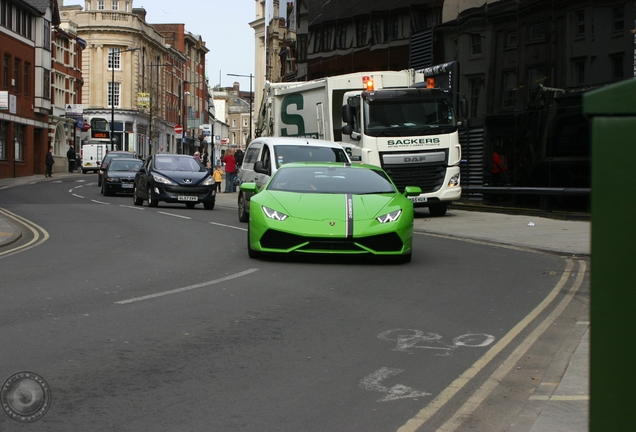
(292, 119)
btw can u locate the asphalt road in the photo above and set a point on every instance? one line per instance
(156, 319)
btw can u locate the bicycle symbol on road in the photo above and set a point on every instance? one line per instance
(409, 339)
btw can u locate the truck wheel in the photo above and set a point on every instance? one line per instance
(138, 201)
(438, 209)
(242, 209)
(151, 202)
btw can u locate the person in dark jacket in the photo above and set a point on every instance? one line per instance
(70, 155)
(49, 163)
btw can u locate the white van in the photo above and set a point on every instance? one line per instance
(92, 155)
(272, 152)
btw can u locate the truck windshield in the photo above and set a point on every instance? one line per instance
(408, 116)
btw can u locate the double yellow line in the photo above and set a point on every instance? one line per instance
(39, 234)
(480, 394)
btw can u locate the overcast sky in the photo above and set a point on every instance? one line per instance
(223, 25)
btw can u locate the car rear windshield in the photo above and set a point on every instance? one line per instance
(339, 180)
(305, 153)
(124, 165)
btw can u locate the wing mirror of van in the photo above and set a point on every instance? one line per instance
(260, 168)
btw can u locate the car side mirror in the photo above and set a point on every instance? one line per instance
(260, 168)
(412, 191)
(250, 187)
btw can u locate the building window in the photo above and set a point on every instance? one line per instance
(475, 44)
(46, 84)
(301, 48)
(5, 71)
(579, 24)
(536, 77)
(100, 5)
(511, 39)
(113, 94)
(361, 33)
(618, 20)
(18, 131)
(509, 89)
(114, 58)
(26, 81)
(392, 30)
(115, 5)
(341, 43)
(618, 69)
(317, 40)
(376, 30)
(326, 39)
(17, 66)
(476, 85)
(47, 35)
(579, 71)
(538, 32)
(233, 122)
(3, 140)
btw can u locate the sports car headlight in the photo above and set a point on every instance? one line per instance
(274, 214)
(161, 179)
(390, 217)
(209, 181)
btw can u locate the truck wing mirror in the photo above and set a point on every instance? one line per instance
(463, 108)
(346, 114)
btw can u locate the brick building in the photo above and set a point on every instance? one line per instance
(25, 88)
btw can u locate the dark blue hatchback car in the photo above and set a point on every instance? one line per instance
(174, 178)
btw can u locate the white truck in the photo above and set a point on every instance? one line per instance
(387, 118)
(93, 153)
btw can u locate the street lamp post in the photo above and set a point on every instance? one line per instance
(250, 76)
(112, 92)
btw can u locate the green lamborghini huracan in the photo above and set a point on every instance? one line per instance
(330, 208)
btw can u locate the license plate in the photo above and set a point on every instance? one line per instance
(88, 164)
(127, 186)
(418, 199)
(187, 198)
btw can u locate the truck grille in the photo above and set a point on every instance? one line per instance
(428, 177)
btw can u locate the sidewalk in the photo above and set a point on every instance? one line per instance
(566, 409)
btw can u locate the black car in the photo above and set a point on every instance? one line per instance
(110, 156)
(174, 178)
(119, 176)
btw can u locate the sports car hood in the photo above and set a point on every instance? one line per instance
(334, 206)
(184, 177)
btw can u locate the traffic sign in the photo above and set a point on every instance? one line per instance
(178, 129)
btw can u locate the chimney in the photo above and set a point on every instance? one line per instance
(140, 12)
(236, 86)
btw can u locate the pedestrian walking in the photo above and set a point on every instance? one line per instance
(49, 163)
(498, 167)
(218, 177)
(230, 171)
(70, 155)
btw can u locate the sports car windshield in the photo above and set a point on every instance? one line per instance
(331, 180)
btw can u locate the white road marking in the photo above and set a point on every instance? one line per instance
(100, 202)
(79, 196)
(174, 215)
(79, 181)
(188, 288)
(132, 207)
(228, 226)
(398, 391)
(480, 394)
